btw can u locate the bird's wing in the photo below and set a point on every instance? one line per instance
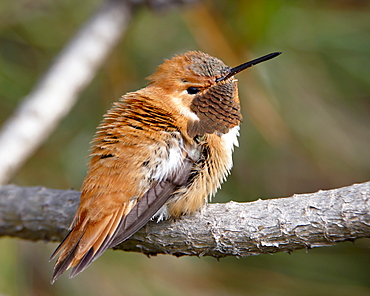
(141, 213)
(116, 204)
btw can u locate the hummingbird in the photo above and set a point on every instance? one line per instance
(160, 152)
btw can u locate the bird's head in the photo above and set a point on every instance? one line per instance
(202, 89)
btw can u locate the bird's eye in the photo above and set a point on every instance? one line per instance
(192, 90)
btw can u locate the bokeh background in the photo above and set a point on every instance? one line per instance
(306, 127)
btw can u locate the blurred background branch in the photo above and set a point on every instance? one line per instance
(55, 94)
(319, 219)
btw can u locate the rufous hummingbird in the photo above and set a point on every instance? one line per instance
(161, 151)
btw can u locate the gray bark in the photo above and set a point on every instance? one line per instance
(311, 220)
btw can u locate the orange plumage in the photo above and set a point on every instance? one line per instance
(163, 150)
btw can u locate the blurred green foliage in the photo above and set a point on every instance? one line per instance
(306, 127)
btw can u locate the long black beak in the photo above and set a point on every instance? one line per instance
(246, 65)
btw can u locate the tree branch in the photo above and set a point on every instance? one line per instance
(232, 229)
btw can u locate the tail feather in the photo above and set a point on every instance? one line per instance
(59, 248)
(83, 263)
(91, 255)
(62, 266)
(77, 245)
(67, 256)
(94, 231)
